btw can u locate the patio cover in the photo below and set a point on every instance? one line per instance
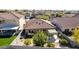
(9, 27)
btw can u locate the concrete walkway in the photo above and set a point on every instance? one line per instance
(57, 43)
(17, 40)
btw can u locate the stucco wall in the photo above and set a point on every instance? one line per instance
(21, 23)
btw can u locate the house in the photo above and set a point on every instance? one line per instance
(68, 15)
(9, 22)
(76, 15)
(66, 24)
(33, 25)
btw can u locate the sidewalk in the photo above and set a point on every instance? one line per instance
(17, 40)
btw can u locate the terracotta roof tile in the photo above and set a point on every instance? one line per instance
(10, 15)
(67, 23)
(37, 24)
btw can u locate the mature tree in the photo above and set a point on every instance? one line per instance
(75, 35)
(16, 10)
(59, 14)
(68, 12)
(42, 17)
(40, 38)
(47, 13)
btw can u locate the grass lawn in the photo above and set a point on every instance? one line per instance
(5, 41)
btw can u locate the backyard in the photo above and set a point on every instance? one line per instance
(5, 41)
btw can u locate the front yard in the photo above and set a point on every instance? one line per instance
(39, 39)
(5, 41)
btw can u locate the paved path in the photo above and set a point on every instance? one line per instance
(57, 43)
(17, 40)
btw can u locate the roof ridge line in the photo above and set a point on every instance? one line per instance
(14, 14)
(47, 23)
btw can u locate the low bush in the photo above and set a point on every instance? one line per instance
(63, 42)
(51, 44)
(28, 41)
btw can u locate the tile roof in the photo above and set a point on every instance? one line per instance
(76, 15)
(9, 15)
(37, 24)
(16, 14)
(68, 15)
(67, 23)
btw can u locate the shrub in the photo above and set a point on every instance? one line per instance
(75, 35)
(51, 44)
(28, 41)
(59, 14)
(42, 17)
(63, 42)
(40, 38)
(47, 13)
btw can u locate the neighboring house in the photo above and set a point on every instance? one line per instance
(9, 22)
(68, 15)
(76, 15)
(66, 24)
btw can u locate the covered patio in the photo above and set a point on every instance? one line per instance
(8, 29)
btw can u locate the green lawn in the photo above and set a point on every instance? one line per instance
(5, 41)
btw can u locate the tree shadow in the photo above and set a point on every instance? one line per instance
(6, 36)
